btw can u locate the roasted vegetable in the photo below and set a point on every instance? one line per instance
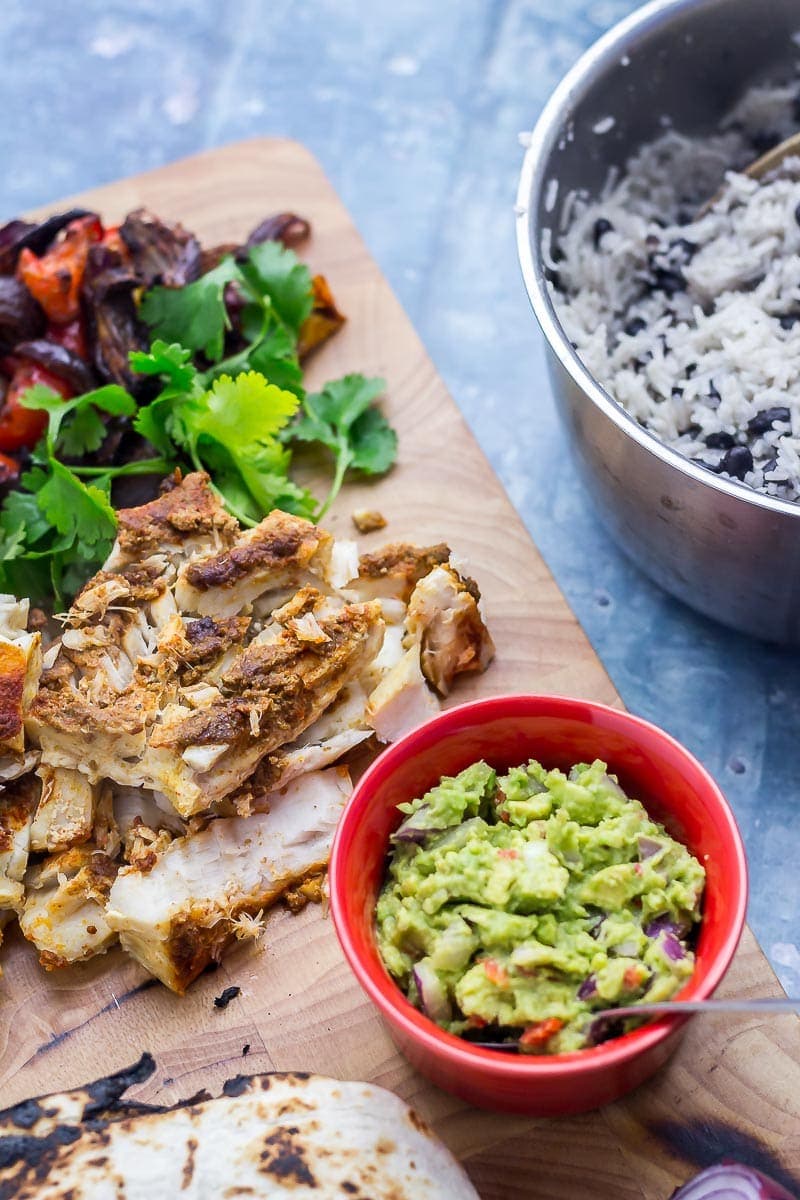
(113, 327)
(159, 253)
(60, 361)
(20, 315)
(55, 278)
(22, 426)
(17, 235)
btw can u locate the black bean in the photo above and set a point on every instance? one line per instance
(720, 440)
(737, 462)
(686, 248)
(789, 320)
(690, 370)
(764, 420)
(601, 227)
(667, 281)
(635, 326)
(677, 393)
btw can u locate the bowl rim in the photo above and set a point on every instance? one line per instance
(604, 52)
(388, 997)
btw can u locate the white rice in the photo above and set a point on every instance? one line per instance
(692, 323)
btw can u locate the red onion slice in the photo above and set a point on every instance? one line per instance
(673, 948)
(732, 1181)
(433, 997)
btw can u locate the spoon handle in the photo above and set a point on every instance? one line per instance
(784, 1004)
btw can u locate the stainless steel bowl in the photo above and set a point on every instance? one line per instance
(732, 553)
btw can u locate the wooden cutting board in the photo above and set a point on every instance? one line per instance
(733, 1088)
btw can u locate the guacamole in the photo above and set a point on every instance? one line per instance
(516, 907)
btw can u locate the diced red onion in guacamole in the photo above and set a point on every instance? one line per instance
(588, 988)
(664, 924)
(433, 998)
(673, 948)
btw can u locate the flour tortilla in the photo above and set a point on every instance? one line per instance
(267, 1136)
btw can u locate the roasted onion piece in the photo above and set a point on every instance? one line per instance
(59, 361)
(165, 254)
(37, 238)
(112, 325)
(20, 315)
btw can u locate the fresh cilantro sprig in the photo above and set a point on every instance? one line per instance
(343, 417)
(229, 429)
(56, 527)
(275, 292)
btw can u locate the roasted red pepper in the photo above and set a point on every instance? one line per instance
(539, 1034)
(9, 471)
(55, 278)
(71, 336)
(633, 978)
(19, 426)
(495, 972)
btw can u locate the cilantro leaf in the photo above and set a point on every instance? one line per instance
(233, 427)
(342, 418)
(84, 430)
(21, 520)
(172, 361)
(276, 357)
(83, 434)
(53, 534)
(155, 421)
(81, 512)
(244, 410)
(274, 271)
(373, 443)
(195, 315)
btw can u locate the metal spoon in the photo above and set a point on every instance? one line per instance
(784, 1004)
(773, 158)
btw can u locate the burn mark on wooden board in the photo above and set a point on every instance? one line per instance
(59, 1038)
(705, 1143)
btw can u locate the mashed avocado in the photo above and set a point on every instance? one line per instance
(518, 906)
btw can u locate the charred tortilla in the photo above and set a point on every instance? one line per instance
(280, 1135)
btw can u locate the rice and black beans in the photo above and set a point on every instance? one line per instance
(692, 323)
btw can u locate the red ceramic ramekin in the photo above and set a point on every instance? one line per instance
(508, 730)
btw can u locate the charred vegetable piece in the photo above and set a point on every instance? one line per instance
(323, 320)
(71, 336)
(160, 253)
(17, 235)
(283, 227)
(112, 326)
(55, 278)
(20, 315)
(9, 472)
(21, 427)
(59, 361)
